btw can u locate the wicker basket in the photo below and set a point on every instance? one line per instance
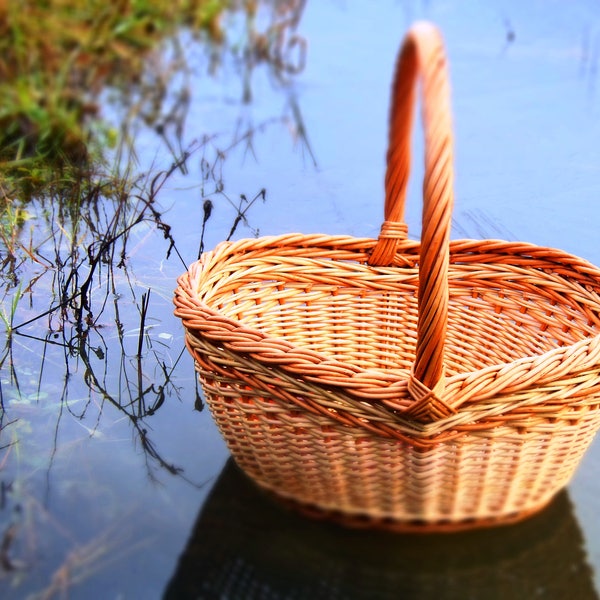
(395, 383)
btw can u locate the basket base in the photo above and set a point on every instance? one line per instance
(396, 526)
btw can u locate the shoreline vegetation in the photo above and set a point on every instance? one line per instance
(58, 59)
(81, 347)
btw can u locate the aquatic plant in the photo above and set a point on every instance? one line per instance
(58, 58)
(87, 350)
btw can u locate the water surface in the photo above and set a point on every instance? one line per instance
(105, 494)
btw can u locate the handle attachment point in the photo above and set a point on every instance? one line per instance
(428, 406)
(392, 230)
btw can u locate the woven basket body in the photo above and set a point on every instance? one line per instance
(398, 383)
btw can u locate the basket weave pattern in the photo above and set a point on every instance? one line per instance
(405, 383)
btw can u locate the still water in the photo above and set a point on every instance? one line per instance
(114, 484)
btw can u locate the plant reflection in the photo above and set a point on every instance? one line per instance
(88, 320)
(80, 231)
(279, 45)
(87, 349)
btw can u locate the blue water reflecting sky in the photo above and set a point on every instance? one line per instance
(526, 106)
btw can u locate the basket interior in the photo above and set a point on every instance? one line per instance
(368, 317)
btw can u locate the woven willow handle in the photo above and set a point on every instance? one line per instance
(422, 57)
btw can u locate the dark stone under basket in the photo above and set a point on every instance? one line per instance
(246, 546)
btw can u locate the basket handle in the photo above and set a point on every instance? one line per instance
(422, 56)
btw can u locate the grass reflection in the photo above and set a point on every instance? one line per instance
(88, 311)
(86, 351)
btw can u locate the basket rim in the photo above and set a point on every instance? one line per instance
(379, 384)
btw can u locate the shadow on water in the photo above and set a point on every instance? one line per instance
(245, 545)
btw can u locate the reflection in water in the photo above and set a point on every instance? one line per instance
(88, 360)
(70, 310)
(83, 358)
(245, 546)
(65, 279)
(88, 356)
(76, 396)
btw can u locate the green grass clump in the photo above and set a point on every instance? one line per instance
(56, 56)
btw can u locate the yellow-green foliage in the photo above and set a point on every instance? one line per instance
(56, 55)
